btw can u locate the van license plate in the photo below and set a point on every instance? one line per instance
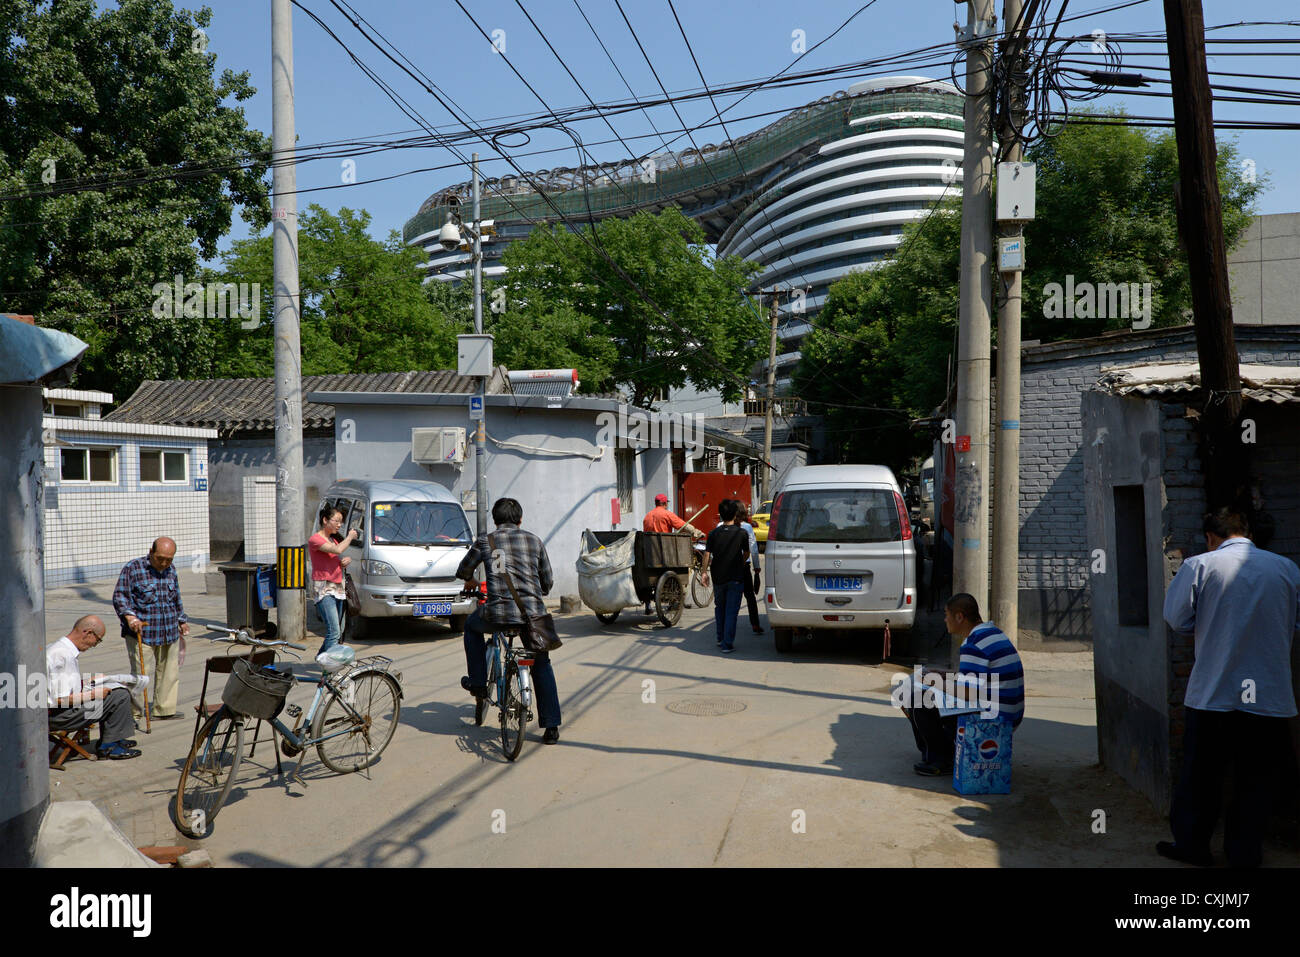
(425, 609)
(838, 582)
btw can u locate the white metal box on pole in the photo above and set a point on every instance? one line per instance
(474, 355)
(1015, 192)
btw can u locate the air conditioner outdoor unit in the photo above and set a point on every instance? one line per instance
(438, 446)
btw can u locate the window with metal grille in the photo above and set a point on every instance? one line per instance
(625, 469)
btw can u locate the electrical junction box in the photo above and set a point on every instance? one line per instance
(1011, 253)
(438, 446)
(474, 355)
(1015, 192)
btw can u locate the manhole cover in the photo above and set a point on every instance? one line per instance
(707, 707)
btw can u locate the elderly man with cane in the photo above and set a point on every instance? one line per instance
(148, 604)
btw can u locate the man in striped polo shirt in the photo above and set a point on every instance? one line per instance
(986, 653)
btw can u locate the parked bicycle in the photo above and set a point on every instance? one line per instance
(510, 688)
(350, 722)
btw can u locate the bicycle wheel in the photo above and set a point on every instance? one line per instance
(606, 619)
(513, 715)
(209, 773)
(376, 699)
(701, 594)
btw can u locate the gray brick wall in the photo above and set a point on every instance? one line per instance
(1053, 531)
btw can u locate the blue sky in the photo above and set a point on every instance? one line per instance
(733, 41)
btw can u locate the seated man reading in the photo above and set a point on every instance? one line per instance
(987, 654)
(74, 706)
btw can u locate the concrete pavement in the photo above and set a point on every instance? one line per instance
(671, 754)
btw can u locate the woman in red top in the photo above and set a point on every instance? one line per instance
(327, 564)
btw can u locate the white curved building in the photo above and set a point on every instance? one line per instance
(844, 208)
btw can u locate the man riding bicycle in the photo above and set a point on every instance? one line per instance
(523, 556)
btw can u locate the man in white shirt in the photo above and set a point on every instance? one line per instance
(72, 706)
(1243, 605)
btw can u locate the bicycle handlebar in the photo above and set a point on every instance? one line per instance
(242, 637)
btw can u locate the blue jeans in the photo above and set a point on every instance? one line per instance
(332, 611)
(548, 694)
(726, 606)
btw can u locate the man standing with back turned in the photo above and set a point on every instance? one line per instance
(1243, 605)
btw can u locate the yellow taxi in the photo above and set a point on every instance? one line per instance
(759, 521)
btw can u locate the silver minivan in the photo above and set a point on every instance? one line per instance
(411, 538)
(840, 553)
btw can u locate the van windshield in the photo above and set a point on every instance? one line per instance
(419, 523)
(838, 515)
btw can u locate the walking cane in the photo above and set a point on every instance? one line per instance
(139, 644)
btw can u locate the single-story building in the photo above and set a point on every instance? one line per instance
(112, 487)
(1144, 497)
(572, 461)
(241, 414)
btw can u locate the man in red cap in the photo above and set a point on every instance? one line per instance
(659, 519)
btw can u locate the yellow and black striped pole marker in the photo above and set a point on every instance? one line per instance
(291, 566)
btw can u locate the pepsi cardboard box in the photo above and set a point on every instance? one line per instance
(983, 761)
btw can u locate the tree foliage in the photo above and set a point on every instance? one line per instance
(118, 100)
(1105, 214)
(364, 307)
(564, 305)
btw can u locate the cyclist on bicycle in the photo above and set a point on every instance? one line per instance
(523, 556)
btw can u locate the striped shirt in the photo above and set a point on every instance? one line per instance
(152, 596)
(987, 651)
(524, 557)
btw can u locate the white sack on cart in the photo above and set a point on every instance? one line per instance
(605, 573)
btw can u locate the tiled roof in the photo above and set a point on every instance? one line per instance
(247, 405)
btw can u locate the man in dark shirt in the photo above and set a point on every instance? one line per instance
(726, 552)
(523, 556)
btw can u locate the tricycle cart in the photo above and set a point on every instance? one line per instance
(661, 567)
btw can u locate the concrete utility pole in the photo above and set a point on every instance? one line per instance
(771, 391)
(1200, 220)
(1006, 505)
(971, 514)
(290, 531)
(480, 433)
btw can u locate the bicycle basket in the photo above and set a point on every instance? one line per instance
(256, 692)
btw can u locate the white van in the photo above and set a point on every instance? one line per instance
(411, 538)
(840, 553)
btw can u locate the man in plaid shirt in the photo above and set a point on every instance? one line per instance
(523, 555)
(147, 600)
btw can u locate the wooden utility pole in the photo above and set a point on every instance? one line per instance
(771, 391)
(1200, 221)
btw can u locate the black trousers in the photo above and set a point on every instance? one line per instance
(936, 736)
(751, 601)
(112, 714)
(1251, 744)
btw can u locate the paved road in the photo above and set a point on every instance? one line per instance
(811, 766)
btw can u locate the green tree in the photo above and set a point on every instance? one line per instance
(116, 141)
(1105, 214)
(364, 307)
(562, 304)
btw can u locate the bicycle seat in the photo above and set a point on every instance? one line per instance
(509, 631)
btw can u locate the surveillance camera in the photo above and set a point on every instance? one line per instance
(449, 237)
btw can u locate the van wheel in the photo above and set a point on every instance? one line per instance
(784, 639)
(457, 623)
